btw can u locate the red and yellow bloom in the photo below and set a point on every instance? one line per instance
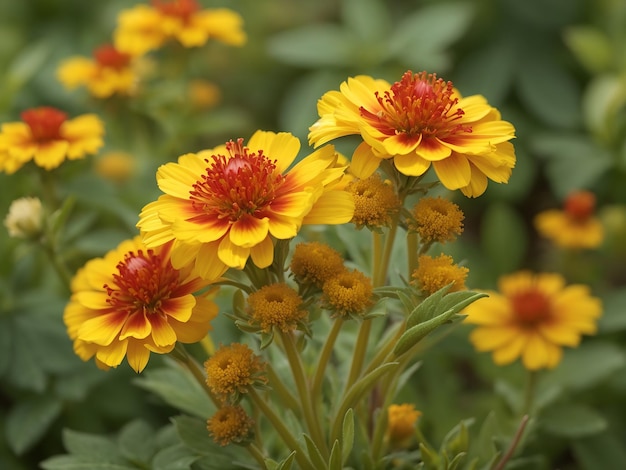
(419, 122)
(143, 28)
(46, 136)
(532, 316)
(132, 302)
(108, 73)
(576, 226)
(228, 204)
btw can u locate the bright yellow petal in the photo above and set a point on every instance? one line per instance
(364, 163)
(113, 354)
(232, 255)
(332, 208)
(489, 338)
(402, 144)
(249, 231)
(511, 351)
(208, 265)
(282, 147)
(51, 154)
(433, 150)
(411, 165)
(179, 308)
(538, 353)
(489, 311)
(262, 254)
(454, 172)
(103, 329)
(136, 326)
(137, 355)
(162, 332)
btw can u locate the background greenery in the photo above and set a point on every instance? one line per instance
(555, 68)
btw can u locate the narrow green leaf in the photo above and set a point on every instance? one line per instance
(29, 420)
(485, 446)
(429, 456)
(287, 462)
(334, 461)
(314, 453)
(347, 435)
(456, 461)
(414, 335)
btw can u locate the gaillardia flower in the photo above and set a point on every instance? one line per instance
(108, 73)
(226, 205)
(230, 424)
(46, 136)
(419, 122)
(532, 317)
(132, 302)
(143, 28)
(232, 370)
(437, 220)
(401, 420)
(433, 274)
(576, 226)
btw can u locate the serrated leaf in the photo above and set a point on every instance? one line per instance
(572, 420)
(347, 435)
(314, 46)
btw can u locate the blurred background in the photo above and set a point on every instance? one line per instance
(556, 69)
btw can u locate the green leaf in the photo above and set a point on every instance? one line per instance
(572, 420)
(591, 46)
(318, 45)
(287, 462)
(613, 318)
(193, 433)
(421, 39)
(429, 456)
(600, 451)
(29, 420)
(314, 453)
(573, 161)
(455, 301)
(137, 442)
(485, 446)
(73, 462)
(176, 457)
(586, 366)
(178, 388)
(334, 461)
(414, 335)
(347, 435)
(504, 237)
(604, 97)
(95, 447)
(28, 63)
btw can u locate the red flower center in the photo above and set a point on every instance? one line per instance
(143, 281)
(531, 306)
(419, 104)
(44, 122)
(108, 56)
(580, 205)
(180, 8)
(243, 183)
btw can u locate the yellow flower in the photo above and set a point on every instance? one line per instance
(437, 220)
(48, 137)
(575, 226)
(25, 218)
(132, 302)
(276, 305)
(143, 28)
(532, 317)
(203, 94)
(433, 274)
(348, 293)
(315, 262)
(110, 72)
(419, 121)
(401, 421)
(375, 202)
(116, 166)
(226, 205)
(233, 369)
(230, 424)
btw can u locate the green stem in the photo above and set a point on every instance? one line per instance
(312, 421)
(412, 251)
(181, 355)
(529, 391)
(285, 396)
(57, 264)
(285, 433)
(257, 454)
(325, 355)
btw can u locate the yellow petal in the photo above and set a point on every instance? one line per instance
(137, 355)
(232, 255)
(364, 163)
(103, 329)
(113, 354)
(411, 165)
(332, 208)
(454, 172)
(282, 147)
(51, 154)
(433, 150)
(262, 254)
(249, 231)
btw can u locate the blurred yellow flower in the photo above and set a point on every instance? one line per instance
(132, 302)
(109, 72)
(226, 205)
(25, 218)
(433, 274)
(532, 317)
(46, 136)
(401, 420)
(419, 122)
(576, 226)
(116, 166)
(143, 28)
(203, 94)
